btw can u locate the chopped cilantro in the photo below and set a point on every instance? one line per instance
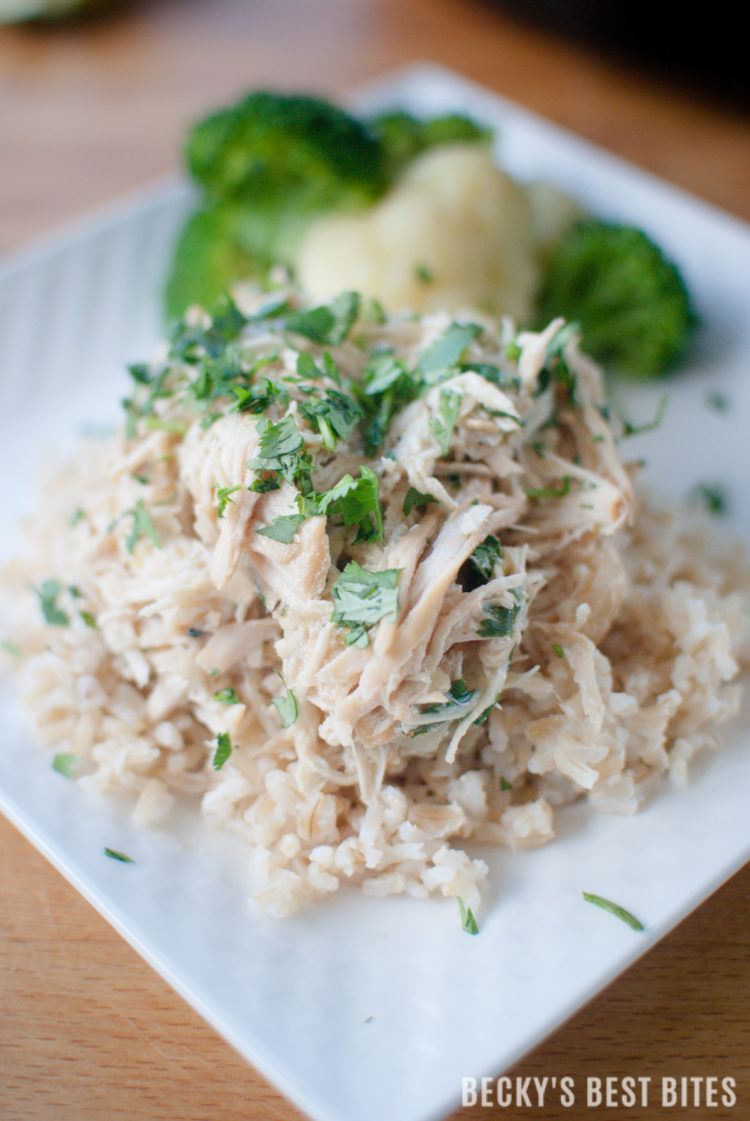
(356, 502)
(414, 498)
(282, 528)
(442, 426)
(468, 922)
(326, 324)
(115, 854)
(424, 274)
(334, 415)
(712, 495)
(550, 492)
(224, 495)
(257, 397)
(459, 697)
(629, 429)
(447, 350)
(142, 526)
(383, 371)
(89, 620)
(286, 706)
(362, 598)
(558, 650)
(614, 909)
(48, 592)
(190, 343)
(499, 621)
(223, 750)
(504, 785)
(485, 558)
(76, 517)
(227, 696)
(65, 763)
(281, 451)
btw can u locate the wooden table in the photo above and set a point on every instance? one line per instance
(87, 1031)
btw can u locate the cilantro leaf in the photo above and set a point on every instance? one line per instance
(223, 750)
(335, 415)
(499, 621)
(282, 528)
(227, 696)
(224, 495)
(286, 706)
(485, 558)
(414, 498)
(326, 324)
(459, 696)
(468, 922)
(362, 598)
(446, 351)
(142, 526)
(115, 854)
(48, 592)
(442, 426)
(357, 502)
(550, 492)
(614, 909)
(65, 763)
(281, 450)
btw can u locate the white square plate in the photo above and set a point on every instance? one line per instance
(364, 1009)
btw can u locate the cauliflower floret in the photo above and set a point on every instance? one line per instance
(454, 232)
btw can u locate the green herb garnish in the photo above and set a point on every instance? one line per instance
(224, 495)
(362, 598)
(281, 450)
(549, 492)
(282, 528)
(327, 324)
(485, 558)
(442, 426)
(499, 621)
(414, 498)
(48, 592)
(356, 502)
(712, 495)
(614, 909)
(227, 696)
(468, 922)
(223, 750)
(557, 650)
(115, 854)
(65, 763)
(142, 526)
(447, 350)
(286, 706)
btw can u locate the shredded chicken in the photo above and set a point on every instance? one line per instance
(403, 570)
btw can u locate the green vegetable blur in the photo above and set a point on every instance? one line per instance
(270, 164)
(631, 304)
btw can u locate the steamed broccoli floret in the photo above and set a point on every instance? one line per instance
(630, 303)
(307, 151)
(271, 164)
(403, 136)
(208, 259)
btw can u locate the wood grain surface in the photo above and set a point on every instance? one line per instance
(88, 1032)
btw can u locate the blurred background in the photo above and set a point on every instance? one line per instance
(94, 103)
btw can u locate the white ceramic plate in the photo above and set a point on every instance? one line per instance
(363, 1009)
